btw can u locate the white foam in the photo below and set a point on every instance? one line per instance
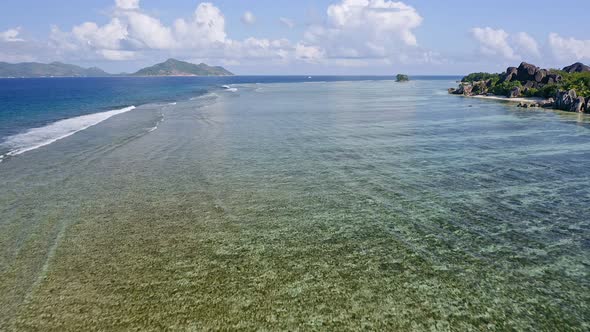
(37, 137)
(206, 96)
(232, 90)
(316, 82)
(157, 124)
(172, 104)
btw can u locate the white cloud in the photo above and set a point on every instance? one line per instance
(131, 31)
(127, 4)
(569, 49)
(526, 44)
(144, 31)
(11, 35)
(355, 33)
(118, 55)
(13, 48)
(206, 27)
(248, 18)
(14, 58)
(494, 42)
(289, 23)
(366, 28)
(499, 43)
(108, 36)
(256, 48)
(308, 53)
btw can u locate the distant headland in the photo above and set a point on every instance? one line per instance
(567, 89)
(170, 67)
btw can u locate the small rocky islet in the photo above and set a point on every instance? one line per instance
(567, 89)
(402, 78)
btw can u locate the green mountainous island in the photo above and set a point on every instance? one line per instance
(170, 67)
(54, 69)
(173, 67)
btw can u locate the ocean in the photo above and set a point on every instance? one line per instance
(285, 203)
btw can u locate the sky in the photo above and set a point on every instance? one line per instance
(303, 37)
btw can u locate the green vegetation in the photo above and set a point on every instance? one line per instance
(580, 82)
(476, 77)
(402, 78)
(532, 92)
(577, 81)
(173, 67)
(547, 91)
(504, 87)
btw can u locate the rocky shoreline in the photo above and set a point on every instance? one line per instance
(555, 86)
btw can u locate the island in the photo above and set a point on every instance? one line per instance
(567, 89)
(170, 67)
(54, 69)
(173, 67)
(402, 78)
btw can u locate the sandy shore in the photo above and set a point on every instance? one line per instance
(532, 100)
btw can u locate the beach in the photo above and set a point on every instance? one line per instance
(529, 100)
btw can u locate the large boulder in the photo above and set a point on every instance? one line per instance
(577, 67)
(464, 89)
(587, 110)
(530, 84)
(578, 105)
(480, 88)
(514, 93)
(549, 103)
(512, 71)
(467, 90)
(564, 100)
(552, 78)
(540, 75)
(549, 79)
(526, 72)
(509, 75)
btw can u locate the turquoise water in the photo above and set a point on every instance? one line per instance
(327, 205)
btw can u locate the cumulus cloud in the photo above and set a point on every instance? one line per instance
(499, 43)
(117, 55)
(354, 32)
(131, 31)
(308, 53)
(257, 48)
(526, 44)
(108, 36)
(289, 23)
(127, 4)
(248, 18)
(493, 42)
(13, 48)
(569, 49)
(11, 35)
(207, 27)
(366, 28)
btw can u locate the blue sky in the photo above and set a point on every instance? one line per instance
(299, 37)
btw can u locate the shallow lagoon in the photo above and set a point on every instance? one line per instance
(337, 205)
